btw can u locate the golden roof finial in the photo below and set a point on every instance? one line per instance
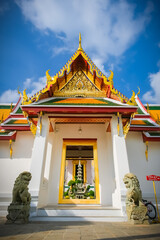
(80, 46)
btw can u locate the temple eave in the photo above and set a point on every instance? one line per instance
(19, 128)
(74, 109)
(141, 129)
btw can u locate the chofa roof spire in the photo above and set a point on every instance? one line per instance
(80, 46)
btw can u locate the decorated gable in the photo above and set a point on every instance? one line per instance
(79, 86)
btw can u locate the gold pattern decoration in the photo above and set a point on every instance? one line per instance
(132, 100)
(109, 81)
(146, 152)
(79, 85)
(126, 129)
(110, 78)
(127, 126)
(25, 97)
(154, 116)
(66, 70)
(10, 147)
(49, 78)
(120, 95)
(19, 92)
(26, 100)
(33, 127)
(80, 46)
(158, 120)
(32, 99)
(2, 118)
(118, 123)
(25, 114)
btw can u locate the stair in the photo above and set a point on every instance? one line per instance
(78, 213)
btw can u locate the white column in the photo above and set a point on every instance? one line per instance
(38, 156)
(121, 165)
(43, 190)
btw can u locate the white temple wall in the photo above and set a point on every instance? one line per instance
(22, 150)
(105, 159)
(140, 166)
(21, 159)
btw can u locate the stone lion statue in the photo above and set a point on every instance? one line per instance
(134, 194)
(18, 210)
(20, 194)
(136, 210)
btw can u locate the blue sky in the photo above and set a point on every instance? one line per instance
(118, 35)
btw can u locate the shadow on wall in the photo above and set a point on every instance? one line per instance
(22, 147)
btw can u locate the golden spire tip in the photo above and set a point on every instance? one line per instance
(80, 46)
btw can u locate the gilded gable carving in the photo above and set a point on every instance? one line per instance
(79, 85)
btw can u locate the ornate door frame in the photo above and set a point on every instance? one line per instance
(74, 142)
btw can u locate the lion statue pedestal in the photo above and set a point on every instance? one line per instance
(18, 210)
(136, 210)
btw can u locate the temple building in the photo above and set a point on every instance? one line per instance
(78, 136)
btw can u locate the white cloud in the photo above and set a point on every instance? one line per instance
(58, 50)
(107, 28)
(27, 83)
(9, 96)
(36, 86)
(99, 63)
(32, 87)
(153, 96)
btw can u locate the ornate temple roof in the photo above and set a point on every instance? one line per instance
(79, 77)
(5, 110)
(79, 88)
(15, 120)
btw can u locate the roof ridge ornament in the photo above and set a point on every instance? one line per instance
(48, 77)
(132, 100)
(19, 92)
(80, 46)
(110, 78)
(50, 81)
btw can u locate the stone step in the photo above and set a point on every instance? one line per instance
(77, 212)
(74, 213)
(78, 219)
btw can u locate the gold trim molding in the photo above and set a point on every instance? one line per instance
(79, 142)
